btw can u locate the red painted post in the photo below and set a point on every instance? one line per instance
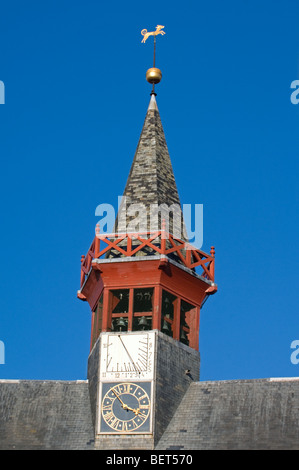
(177, 319)
(82, 272)
(97, 242)
(194, 329)
(212, 265)
(156, 323)
(130, 313)
(163, 237)
(106, 311)
(129, 245)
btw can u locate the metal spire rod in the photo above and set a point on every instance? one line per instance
(154, 64)
(154, 52)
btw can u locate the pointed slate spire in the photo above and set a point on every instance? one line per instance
(151, 183)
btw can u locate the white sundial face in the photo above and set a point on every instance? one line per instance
(127, 356)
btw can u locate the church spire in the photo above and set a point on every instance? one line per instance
(151, 183)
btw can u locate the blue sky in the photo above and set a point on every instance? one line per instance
(75, 101)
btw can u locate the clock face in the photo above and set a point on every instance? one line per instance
(127, 356)
(126, 408)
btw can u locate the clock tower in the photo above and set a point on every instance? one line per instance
(145, 286)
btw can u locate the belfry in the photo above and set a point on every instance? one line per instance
(145, 285)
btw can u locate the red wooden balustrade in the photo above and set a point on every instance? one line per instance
(158, 241)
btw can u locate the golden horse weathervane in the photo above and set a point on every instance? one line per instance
(153, 75)
(152, 33)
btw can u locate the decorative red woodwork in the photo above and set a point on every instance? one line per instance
(121, 243)
(177, 292)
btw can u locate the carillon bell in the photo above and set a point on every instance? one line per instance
(166, 327)
(142, 324)
(120, 324)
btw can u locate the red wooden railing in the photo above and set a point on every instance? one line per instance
(158, 241)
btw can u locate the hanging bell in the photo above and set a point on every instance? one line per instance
(120, 324)
(167, 306)
(166, 327)
(142, 324)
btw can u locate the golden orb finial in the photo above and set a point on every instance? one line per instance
(153, 75)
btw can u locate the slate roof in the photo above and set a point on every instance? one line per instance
(45, 415)
(236, 415)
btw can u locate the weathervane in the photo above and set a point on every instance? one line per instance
(153, 75)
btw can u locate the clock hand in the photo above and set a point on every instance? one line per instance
(136, 411)
(117, 396)
(124, 406)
